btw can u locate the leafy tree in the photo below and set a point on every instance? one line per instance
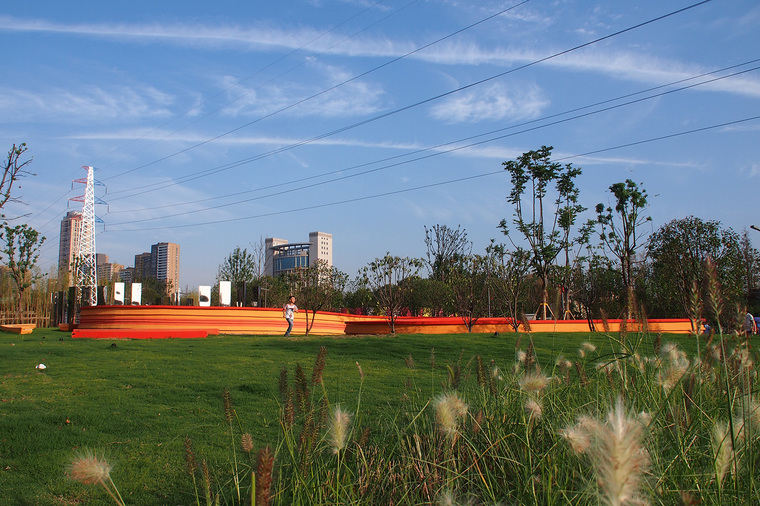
(12, 170)
(508, 280)
(429, 295)
(317, 287)
(470, 283)
(596, 284)
(238, 267)
(21, 247)
(621, 231)
(679, 250)
(359, 297)
(385, 277)
(544, 216)
(750, 259)
(444, 247)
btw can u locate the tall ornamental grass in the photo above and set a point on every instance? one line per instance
(601, 425)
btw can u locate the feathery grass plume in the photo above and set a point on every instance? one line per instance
(432, 359)
(723, 451)
(228, 411)
(477, 422)
(364, 438)
(480, 371)
(657, 345)
(525, 322)
(623, 331)
(518, 342)
(530, 357)
(714, 297)
(449, 408)
(264, 468)
(319, 366)
(409, 360)
(582, 374)
(534, 382)
(605, 321)
(577, 437)
(361, 371)
(289, 411)
(533, 408)
(643, 319)
(246, 442)
(206, 480)
(339, 424)
(190, 460)
(615, 447)
(694, 307)
(677, 364)
(90, 469)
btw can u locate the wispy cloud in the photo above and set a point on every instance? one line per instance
(620, 64)
(327, 97)
(493, 102)
(94, 103)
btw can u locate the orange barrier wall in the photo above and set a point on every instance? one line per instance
(269, 321)
(455, 325)
(226, 320)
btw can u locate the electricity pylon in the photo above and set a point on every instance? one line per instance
(86, 263)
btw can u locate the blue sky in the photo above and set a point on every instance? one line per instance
(214, 124)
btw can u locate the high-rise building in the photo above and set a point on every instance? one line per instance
(142, 266)
(282, 256)
(68, 245)
(164, 264)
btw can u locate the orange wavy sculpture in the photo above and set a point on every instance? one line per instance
(163, 321)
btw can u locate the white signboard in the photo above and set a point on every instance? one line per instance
(118, 293)
(225, 293)
(136, 294)
(204, 296)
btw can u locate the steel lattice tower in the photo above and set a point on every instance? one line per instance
(87, 268)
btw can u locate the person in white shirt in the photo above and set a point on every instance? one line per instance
(288, 310)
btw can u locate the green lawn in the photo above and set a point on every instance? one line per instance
(136, 401)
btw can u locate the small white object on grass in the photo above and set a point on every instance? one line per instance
(41, 367)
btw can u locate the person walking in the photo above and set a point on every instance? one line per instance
(288, 310)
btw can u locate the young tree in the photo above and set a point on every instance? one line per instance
(508, 280)
(385, 277)
(316, 287)
(544, 222)
(469, 282)
(240, 269)
(444, 247)
(21, 247)
(12, 169)
(621, 232)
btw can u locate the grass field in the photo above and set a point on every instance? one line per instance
(135, 402)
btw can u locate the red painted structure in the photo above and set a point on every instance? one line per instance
(192, 321)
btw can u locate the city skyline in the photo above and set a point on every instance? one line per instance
(214, 126)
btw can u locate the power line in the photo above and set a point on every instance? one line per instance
(327, 90)
(228, 166)
(441, 183)
(240, 81)
(458, 146)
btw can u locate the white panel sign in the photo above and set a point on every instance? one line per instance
(225, 293)
(136, 294)
(204, 295)
(118, 293)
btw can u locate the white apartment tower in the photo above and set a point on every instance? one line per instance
(282, 256)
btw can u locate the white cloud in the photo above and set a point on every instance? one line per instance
(492, 103)
(94, 103)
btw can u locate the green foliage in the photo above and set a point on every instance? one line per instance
(679, 250)
(239, 267)
(385, 277)
(316, 288)
(20, 254)
(12, 170)
(544, 222)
